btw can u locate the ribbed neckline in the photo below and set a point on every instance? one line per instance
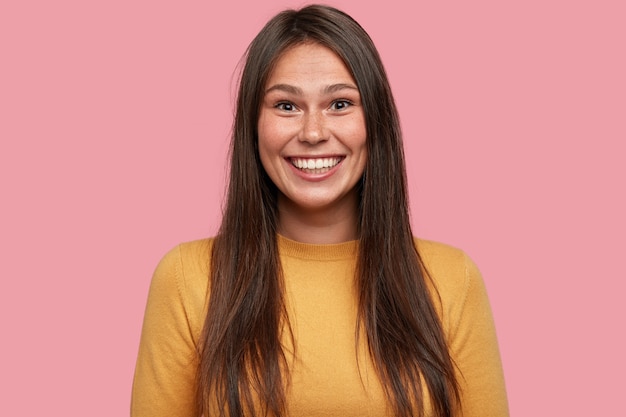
(326, 252)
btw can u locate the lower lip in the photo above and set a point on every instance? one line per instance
(308, 176)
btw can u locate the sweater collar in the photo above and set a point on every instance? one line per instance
(326, 252)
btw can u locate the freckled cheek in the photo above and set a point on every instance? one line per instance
(353, 133)
(267, 135)
(275, 134)
(271, 144)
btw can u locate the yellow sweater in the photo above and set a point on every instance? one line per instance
(328, 377)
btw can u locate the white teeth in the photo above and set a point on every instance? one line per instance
(315, 163)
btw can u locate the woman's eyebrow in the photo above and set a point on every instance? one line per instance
(286, 88)
(329, 89)
(333, 88)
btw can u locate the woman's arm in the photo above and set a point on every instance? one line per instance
(164, 383)
(474, 348)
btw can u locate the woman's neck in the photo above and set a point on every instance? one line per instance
(335, 224)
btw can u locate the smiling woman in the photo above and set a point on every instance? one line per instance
(315, 299)
(312, 139)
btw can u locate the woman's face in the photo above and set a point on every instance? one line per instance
(312, 131)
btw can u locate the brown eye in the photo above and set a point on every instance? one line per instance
(341, 104)
(285, 106)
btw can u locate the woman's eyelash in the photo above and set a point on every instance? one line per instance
(336, 105)
(285, 105)
(344, 102)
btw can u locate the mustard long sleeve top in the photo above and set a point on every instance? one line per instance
(330, 375)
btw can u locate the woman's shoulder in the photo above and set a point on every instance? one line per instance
(455, 277)
(189, 263)
(444, 260)
(188, 258)
(182, 278)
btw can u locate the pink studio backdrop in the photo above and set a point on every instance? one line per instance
(114, 121)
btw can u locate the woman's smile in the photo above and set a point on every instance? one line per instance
(314, 169)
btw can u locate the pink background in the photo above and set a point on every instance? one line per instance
(114, 120)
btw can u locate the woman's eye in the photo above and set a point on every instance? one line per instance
(285, 106)
(341, 104)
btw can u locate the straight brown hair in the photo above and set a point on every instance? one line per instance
(243, 368)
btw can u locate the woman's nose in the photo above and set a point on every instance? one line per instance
(313, 128)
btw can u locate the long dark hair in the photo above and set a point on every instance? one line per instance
(242, 363)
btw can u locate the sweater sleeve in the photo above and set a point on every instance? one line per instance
(474, 348)
(165, 373)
